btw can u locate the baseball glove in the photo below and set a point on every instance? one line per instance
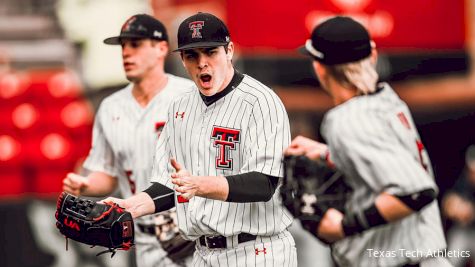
(95, 224)
(166, 229)
(310, 188)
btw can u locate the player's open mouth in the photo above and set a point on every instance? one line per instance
(205, 79)
(128, 65)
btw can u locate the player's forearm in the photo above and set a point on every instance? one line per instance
(213, 187)
(387, 208)
(99, 185)
(391, 207)
(139, 205)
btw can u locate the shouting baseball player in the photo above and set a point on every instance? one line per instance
(225, 143)
(392, 218)
(127, 127)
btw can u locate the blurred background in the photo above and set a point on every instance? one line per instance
(55, 70)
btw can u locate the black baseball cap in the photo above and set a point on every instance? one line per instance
(202, 30)
(338, 40)
(141, 26)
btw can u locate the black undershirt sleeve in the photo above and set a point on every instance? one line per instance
(354, 223)
(418, 200)
(162, 196)
(251, 187)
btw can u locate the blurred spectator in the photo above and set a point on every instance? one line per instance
(458, 206)
(84, 23)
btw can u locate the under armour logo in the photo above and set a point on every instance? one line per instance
(262, 250)
(196, 26)
(157, 34)
(308, 201)
(179, 114)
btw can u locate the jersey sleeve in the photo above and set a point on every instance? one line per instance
(161, 168)
(372, 151)
(267, 136)
(101, 156)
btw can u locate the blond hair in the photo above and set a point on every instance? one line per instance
(360, 74)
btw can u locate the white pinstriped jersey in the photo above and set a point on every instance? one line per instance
(374, 142)
(246, 130)
(125, 135)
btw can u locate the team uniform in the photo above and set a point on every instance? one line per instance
(374, 142)
(124, 138)
(244, 129)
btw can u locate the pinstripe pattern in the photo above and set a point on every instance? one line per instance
(372, 140)
(279, 251)
(260, 117)
(124, 138)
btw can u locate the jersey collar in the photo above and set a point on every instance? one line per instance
(235, 81)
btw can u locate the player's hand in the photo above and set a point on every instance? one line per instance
(75, 184)
(330, 228)
(305, 146)
(138, 205)
(183, 181)
(459, 209)
(214, 187)
(121, 202)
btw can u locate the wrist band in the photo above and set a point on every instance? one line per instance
(354, 224)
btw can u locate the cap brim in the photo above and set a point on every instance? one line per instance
(200, 45)
(116, 39)
(302, 50)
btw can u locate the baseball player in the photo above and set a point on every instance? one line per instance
(392, 218)
(128, 124)
(225, 141)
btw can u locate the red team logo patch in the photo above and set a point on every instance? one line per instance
(196, 26)
(159, 127)
(225, 139)
(71, 224)
(126, 26)
(404, 120)
(131, 181)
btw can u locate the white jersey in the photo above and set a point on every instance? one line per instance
(125, 135)
(374, 142)
(245, 130)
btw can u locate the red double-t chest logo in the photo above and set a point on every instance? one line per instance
(225, 139)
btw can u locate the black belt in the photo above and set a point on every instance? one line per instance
(220, 241)
(411, 265)
(148, 229)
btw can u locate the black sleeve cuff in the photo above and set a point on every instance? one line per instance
(162, 196)
(251, 187)
(354, 224)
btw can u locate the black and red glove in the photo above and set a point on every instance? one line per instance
(95, 224)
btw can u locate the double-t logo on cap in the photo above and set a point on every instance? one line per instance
(196, 26)
(128, 24)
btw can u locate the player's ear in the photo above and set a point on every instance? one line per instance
(374, 53)
(230, 51)
(163, 47)
(318, 68)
